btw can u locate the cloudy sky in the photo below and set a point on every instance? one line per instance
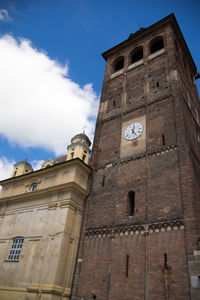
(51, 69)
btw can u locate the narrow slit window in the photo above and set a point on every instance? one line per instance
(103, 180)
(165, 260)
(163, 139)
(127, 265)
(131, 203)
(72, 155)
(84, 157)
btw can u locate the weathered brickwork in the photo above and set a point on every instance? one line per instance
(147, 250)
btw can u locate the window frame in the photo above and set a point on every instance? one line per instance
(15, 249)
(33, 186)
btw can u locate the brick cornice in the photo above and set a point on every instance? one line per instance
(133, 229)
(156, 152)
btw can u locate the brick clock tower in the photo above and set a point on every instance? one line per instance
(140, 236)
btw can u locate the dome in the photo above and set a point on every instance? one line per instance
(81, 137)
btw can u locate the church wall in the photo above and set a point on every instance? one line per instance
(49, 220)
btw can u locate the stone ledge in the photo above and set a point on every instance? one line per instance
(34, 287)
(9, 288)
(51, 288)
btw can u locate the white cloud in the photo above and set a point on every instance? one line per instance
(36, 164)
(6, 167)
(40, 105)
(4, 16)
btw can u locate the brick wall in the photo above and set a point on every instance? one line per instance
(161, 167)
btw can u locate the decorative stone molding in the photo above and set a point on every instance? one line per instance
(115, 232)
(65, 203)
(166, 226)
(71, 204)
(11, 288)
(51, 288)
(52, 205)
(126, 230)
(67, 292)
(163, 150)
(34, 287)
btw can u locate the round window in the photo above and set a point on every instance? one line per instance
(33, 187)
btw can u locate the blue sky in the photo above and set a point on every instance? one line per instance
(51, 67)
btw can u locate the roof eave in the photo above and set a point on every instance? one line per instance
(44, 170)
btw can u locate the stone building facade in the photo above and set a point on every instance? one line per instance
(40, 221)
(140, 236)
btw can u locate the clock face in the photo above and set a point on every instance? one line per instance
(133, 131)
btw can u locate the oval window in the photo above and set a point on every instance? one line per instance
(33, 187)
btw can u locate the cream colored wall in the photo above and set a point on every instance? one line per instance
(78, 153)
(46, 178)
(49, 219)
(21, 168)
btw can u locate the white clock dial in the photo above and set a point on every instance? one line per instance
(133, 131)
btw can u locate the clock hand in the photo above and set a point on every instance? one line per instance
(133, 129)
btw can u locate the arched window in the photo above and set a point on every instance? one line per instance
(156, 45)
(118, 64)
(131, 203)
(136, 55)
(16, 248)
